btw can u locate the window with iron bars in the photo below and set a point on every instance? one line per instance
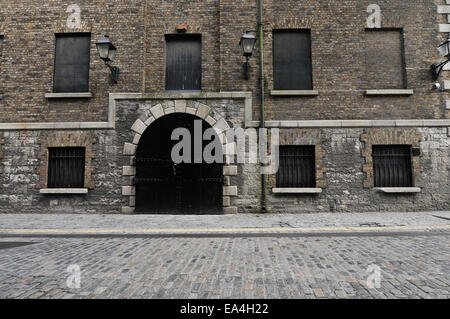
(297, 167)
(66, 167)
(392, 166)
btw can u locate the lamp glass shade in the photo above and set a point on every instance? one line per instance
(247, 44)
(444, 49)
(104, 47)
(112, 52)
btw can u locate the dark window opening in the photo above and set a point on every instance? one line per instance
(297, 167)
(392, 166)
(66, 167)
(72, 56)
(292, 60)
(183, 63)
(1, 48)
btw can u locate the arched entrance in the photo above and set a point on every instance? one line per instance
(163, 187)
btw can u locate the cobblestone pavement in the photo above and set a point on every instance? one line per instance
(130, 222)
(235, 267)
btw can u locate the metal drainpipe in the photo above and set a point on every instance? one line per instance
(261, 79)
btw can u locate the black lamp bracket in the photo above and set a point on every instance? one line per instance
(115, 71)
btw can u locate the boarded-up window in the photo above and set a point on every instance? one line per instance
(385, 65)
(66, 167)
(292, 60)
(1, 45)
(183, 62)
(72, 56)
(392, 165)
(297, 167)
(1, 48)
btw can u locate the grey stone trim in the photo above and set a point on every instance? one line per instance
(294, 92)
(230, 210)
(128, 210)
(58, 191)
(396, 190)
(390, 92)
(446, 85)
(230, 170)
(444, 28)
(54, 126)
(296, 190)
(354, 123)
(113, 97)
(230, 191)
(443, 9)
(68, 95)
(128, 191)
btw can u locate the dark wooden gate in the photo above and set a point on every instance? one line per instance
(183, 63)
(163, 187)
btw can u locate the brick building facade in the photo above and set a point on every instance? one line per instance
(369, 87)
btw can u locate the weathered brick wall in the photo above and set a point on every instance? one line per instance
(344, 162)
(22, 178)
(338, 57)
(27, 63)
(137, 28)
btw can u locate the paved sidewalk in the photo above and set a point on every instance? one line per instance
(148, 224)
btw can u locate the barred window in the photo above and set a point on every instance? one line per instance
(72, 55)
(392, 166)
(66, 167)
(297, 167)
(292, 60)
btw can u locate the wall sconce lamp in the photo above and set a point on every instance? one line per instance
(247, 45)
(444, 50)
(107, 52)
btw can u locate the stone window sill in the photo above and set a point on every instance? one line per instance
(80, 95)
(296, 190)
(294, 92)
(390, 92)
(398, 190)
(61, 191)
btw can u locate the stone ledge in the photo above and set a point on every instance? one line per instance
(63, 191)
(181, 95)
(397, 190)
(390, 92)
(296, 190)
(444, 28)
(294, 92)
(443, 9)
(74, 95)
(353, 123)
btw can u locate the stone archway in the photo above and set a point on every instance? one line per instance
(200, 110)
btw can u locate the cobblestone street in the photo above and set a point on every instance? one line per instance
(412, 266)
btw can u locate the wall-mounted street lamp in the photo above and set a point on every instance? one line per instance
(444, 50)
(107, 52)
(247, 44)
